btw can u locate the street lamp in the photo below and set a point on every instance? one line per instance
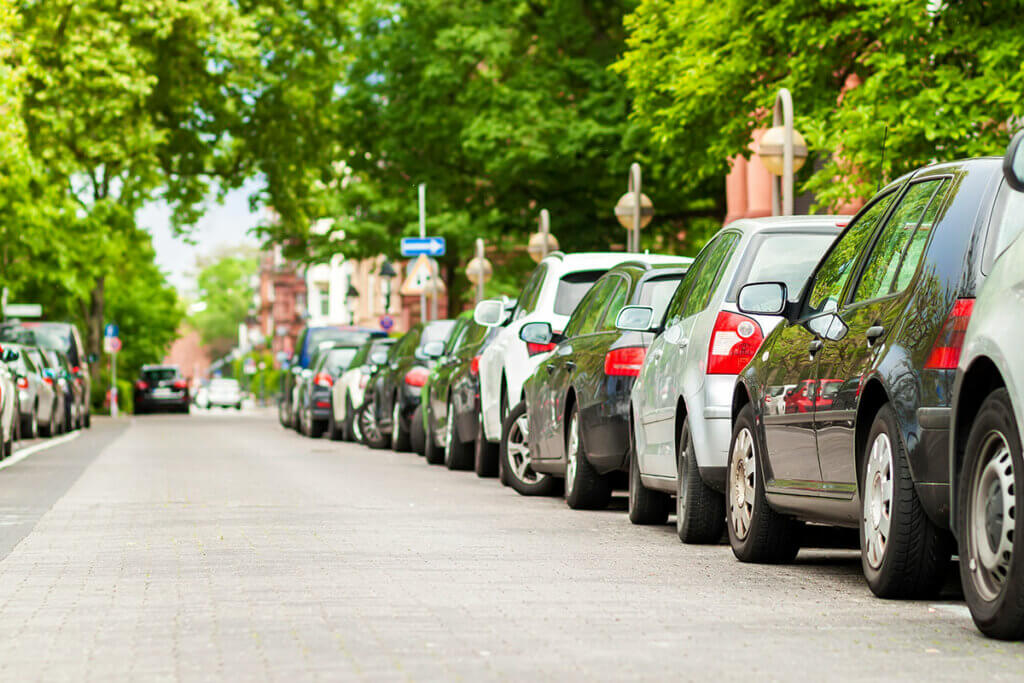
(387, 273)
(783, 152)
(634, 209)
(352, 299)
(542, 242)
(479, 270)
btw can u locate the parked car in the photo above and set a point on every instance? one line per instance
(398, 384)
(315, 400)
(986, 467)
(349, 389)
(161, 388)
(577, 401)
(48, 397)
(680, 403)
(884, 315)
(53, 377)
(308, 342)
(37, 402)
(450, 396)
(75, 401)
(550, 295)
(224, 392)
(65, 338)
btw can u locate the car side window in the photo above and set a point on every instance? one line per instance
(458, 333)
(1007, 219)
(531, 292)
(597, 295)
(674, 312)
(709, 277)
(886, 257)
(835, 271)
(616, 301)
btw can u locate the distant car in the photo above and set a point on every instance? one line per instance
(224, 392)
(315, 400)
(349, 389)
(53, 377)
(40, 407)
(307, 344)
(161, 388)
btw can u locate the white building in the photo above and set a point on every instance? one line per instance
(327, 287)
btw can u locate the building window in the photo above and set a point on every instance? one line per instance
(325, 303)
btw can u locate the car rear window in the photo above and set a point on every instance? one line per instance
(159, 374)
(657, 293)
(436, 331)
(338, 360)
(788, 258)
(571, 289)
(224, 384)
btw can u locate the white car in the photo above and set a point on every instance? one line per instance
(550, 295)
(349, 389)
(224, 393)
(681, 402)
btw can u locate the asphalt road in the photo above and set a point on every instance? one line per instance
(220, 546)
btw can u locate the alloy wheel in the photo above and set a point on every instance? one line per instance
(449, 430)
(572, 454)
(878, 484)
(742, 482)
(991, 522)
(396, 422)
(519, 451)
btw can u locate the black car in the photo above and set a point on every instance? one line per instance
(161, 388)
(577, 402)
(878, 329)
(315, 399)
(397, 385)
(306, 346)
(450, 402)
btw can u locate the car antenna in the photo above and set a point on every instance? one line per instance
(885, 136)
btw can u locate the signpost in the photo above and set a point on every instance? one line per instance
(112, 344)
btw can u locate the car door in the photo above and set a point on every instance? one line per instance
(871, 312)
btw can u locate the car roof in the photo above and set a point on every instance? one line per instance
(829, 223)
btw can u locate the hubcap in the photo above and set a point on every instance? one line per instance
(519, 452)
(878, 500)
(572, 454)
(992, 513)
(742, 470)
(396, 421)
(449, 429)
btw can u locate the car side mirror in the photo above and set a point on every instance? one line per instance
(92, 358)
(1013, 162)
(829, 326)
(378, 358)
(536, 333)
(489, 312)
(434, 349)
(635, 319)
(10, 355)
(762, 298)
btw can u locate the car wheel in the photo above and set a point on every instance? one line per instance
(417, 435)
(88, 419)
(515, 456)
(903, 554)
(585, 489)
(700, 510)
(348, 423)
(990, 480)
(757, 533)
(645, 506)
(333, 431)
(50, 428)
(316, 427)
(459, 455)
(399, 436)
(486, 462)
(33, 423)
(372, 435)
(433, 452)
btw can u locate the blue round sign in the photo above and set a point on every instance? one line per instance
(386, 322)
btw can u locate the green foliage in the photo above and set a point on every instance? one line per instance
(226, 291)
(943, 77)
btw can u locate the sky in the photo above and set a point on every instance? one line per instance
(224, 224)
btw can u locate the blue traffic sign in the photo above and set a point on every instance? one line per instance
(415, 246)
(110, 330)
(386, 323)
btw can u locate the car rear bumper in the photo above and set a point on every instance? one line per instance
(929, 463)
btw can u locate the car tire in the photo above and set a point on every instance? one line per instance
(585, 489)
(417, 432)
(334, 432)
(88, 419)
(700, 510)
(903, 554)
(645, 506)
(431, 451)
(515, 456)
(399, 434)
(30, 425)
(316, 427)
(757, 533)
(347, 431)
(988, 493)
(282, 414)
(372, 435)
(458, 455)
(486, 461)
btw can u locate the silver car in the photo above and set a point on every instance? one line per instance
(41, 409)
(986, 466)
(681, 402)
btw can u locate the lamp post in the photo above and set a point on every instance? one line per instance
(635, 210)
(387, 273)
(352, 299)
(542, 242)
(479, 270)
(783, 152)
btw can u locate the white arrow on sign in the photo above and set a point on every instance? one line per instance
(436, 246)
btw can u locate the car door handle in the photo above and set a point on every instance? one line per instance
(814, 347)
(874, 333)
(570, 366)
(551, 368)
(683, 343)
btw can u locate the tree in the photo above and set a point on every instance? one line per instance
(935, 80)
(226, 294)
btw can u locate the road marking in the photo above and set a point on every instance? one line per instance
(23, 453)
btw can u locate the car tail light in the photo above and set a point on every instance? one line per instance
(323, 379)
(734, 341)
(141, 386)
(23, 382)
(945, 354)
(48, 379)
(76, 369)
(323, 404)
(624, 362)
(416, 377)
(533, 349)
(180, 384)
(474, 366)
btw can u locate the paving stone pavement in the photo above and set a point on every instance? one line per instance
(223, 547)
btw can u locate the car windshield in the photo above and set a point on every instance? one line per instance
(657, 293)
(436, 331)
(159, 374)
(571, 289)
(786, 258)
(51, 335)
(224, 385)
(332, 334)
(16, 334)
(338, 360)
